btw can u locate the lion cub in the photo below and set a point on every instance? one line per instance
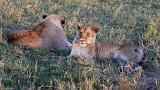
(86, 47)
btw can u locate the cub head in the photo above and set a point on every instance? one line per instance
(86, 34)
(131, 53)
(55, 19)
(139, 52)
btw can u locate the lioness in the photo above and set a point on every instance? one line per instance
(87, 47)
(48, 35)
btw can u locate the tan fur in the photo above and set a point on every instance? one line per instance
(48, 35)
(86, 47)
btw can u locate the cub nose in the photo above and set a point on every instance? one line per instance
(82, 40)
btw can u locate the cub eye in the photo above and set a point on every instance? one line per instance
(136, 50)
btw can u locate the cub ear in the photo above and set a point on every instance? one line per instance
(97, 29)
(79, 26)
(138, 50)
(44, 16)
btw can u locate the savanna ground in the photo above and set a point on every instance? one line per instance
(122, 21)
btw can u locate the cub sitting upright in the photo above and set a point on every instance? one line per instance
(48, 35)
(85, 46)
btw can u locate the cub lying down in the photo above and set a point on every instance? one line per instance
(85, 46)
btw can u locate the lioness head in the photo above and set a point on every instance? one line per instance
(55, 19)
(86, 34)
(57, 39)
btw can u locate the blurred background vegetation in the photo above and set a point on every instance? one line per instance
(122, 21)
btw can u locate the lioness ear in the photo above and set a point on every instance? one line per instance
(44, 16)
(62, 21)
(79, 26)
(97, 29)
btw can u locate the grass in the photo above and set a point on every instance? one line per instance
(122, 21)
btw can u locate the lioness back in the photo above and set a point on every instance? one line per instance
(26, 38)
(105, 50)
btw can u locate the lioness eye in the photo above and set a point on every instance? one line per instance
(80, 33)
(88, 34)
